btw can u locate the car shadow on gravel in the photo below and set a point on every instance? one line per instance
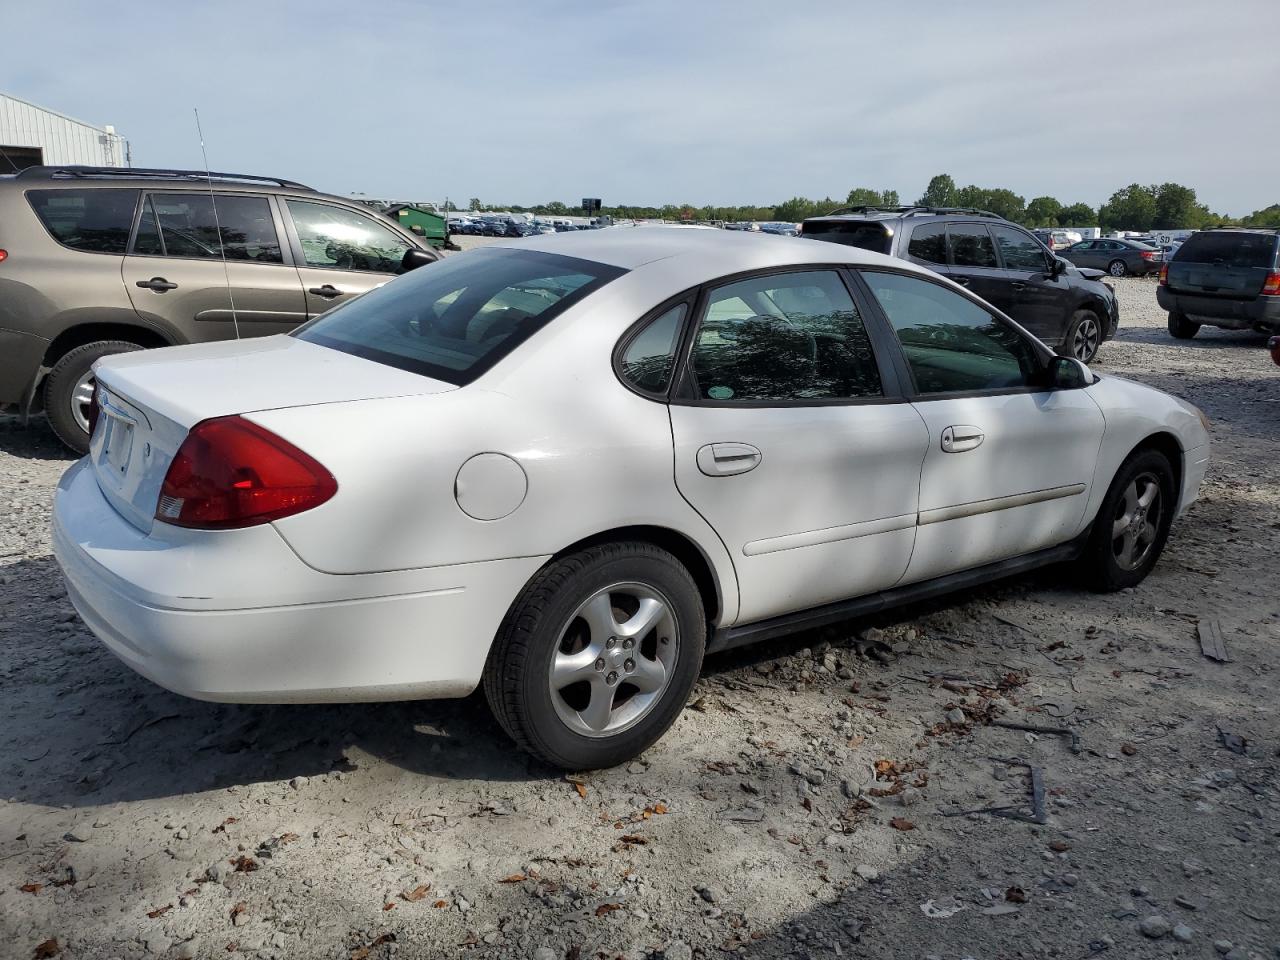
(35, 441)
(1209, 338)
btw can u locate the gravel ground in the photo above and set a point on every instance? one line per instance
(804, 805)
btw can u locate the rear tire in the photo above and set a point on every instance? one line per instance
(633, 603)
(1117, 268)
(1084, 336)
(68, 390)
(1132, 525)
(1181, 327)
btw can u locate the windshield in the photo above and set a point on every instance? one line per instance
(455, 319)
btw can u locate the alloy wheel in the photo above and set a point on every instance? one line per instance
(1137, 522)
(1084, 345)
(1117, 268)
(614, 659)
(82, 399)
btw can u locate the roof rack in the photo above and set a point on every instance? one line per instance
(149, 173)
(915, 211)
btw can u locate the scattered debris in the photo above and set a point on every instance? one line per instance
(1233, 742)
(943, 908)
(1076, 746)
(1212, 643)
(1036, 814)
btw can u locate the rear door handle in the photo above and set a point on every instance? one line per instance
(158, 284)
(328, 291)
(727, 459)
(963, 281)
(960, 438)
(1017, 285)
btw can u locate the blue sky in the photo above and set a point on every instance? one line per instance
(657, 101)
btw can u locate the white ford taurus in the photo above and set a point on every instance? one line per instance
(567, 467)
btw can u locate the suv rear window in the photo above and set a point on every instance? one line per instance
(455, 319)
(866, 236)
(1229, 249)
(95, 220)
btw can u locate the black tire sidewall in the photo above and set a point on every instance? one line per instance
(61, 382)
(556, 742)
(1182, 328)
(1103, 571)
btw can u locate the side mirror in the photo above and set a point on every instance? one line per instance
(417, 228)
(1057, 268)
(1068, 373)
(414, 258)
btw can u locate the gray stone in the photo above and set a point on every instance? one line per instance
(709, 894)
(218, 871)
(955, 716)
(869, 874)
(188, 950)
(678, 950)
(1182, 933)
(77, 834)
(1222, 946)
(545, 953)
(157, 943)
(1237, 953)
(298, 782)
(1154, 927)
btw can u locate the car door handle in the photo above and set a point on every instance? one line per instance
(960, 438)
(328, 291)
(158, 284)
(727, 459)
(1017, 285)
(963, 281)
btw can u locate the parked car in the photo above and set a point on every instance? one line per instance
(439, 508)
(998, 260)
(99, 261)
(1117, 257)
(1057, 239)
(1223, 278)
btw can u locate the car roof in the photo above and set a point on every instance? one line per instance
(632, 247)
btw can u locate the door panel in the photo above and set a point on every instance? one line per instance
(1039, 299)
(827, 513)
(974, 264)
(1023, 488)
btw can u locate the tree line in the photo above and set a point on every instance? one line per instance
(1165, 206)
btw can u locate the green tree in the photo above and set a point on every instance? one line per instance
(1266, 217)
(1043, 212)
(1177, 207)
(1077, 215)
(866, 197)
(998, 200)
(474, 203)
(941, 192)
(1131, 208)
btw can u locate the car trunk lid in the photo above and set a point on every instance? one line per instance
(1231, 265)
(150, 400)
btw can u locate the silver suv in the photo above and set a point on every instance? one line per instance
(101, 260)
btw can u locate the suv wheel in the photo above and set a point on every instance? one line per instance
(68, 390)
(596, 658)
(1181, 327)
(1117, 268)
(1132, 524)
(1084, 336)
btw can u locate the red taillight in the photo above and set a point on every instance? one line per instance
(1164, 274)
(4, 255)
(94, 410)
(1271, 285)
(230, 472)
(1148, 254)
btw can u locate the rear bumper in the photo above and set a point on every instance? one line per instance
(235, 616)
(20, 358)
(1223, 311)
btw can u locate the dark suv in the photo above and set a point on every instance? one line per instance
(1064, 305)
(95, 261)
(1223, 278)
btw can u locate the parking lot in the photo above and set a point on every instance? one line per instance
(810, 801)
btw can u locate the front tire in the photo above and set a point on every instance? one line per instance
(1181, 327)
(68, 390)
(1132, 525)
(1084, 336)
(596, 658)
(1117, 268)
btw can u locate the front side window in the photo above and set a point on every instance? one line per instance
(342, 239)
(971, 245)
(98, 221)
(951, 344)
(1018, 250)
(929, 243)
(647, 361)
(205, 226)
(455, 319)
(786, 337)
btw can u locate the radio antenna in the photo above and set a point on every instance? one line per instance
(217, 225)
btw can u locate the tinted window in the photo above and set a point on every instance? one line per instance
(345, 240)
(456, 318)
(96, 220)
(929, 243)
(794, 336)
(952, 344)
(1081, 246)
(866, 236)
(1231, 249)
(202, 226)
(971, 245)
(1018, 250)
(647, 361)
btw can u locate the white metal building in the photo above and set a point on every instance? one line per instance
(31, 135)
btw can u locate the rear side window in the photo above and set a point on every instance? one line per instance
(971, 245)
(929, 243)
(455, 319)
(342, 239)
(1229, 249)
(647, 360)
(95, 220)
(201, 226)
(865, 236)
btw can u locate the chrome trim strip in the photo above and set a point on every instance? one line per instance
(972, 509)
(811, 538)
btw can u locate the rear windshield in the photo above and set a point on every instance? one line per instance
(455, 319)
(867, 236)
(1229, 249)
(94, 220)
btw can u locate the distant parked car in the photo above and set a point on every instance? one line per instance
(1057, 239)
(1117, 257)
(1223, 278)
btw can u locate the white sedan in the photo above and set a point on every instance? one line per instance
(567, 467)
